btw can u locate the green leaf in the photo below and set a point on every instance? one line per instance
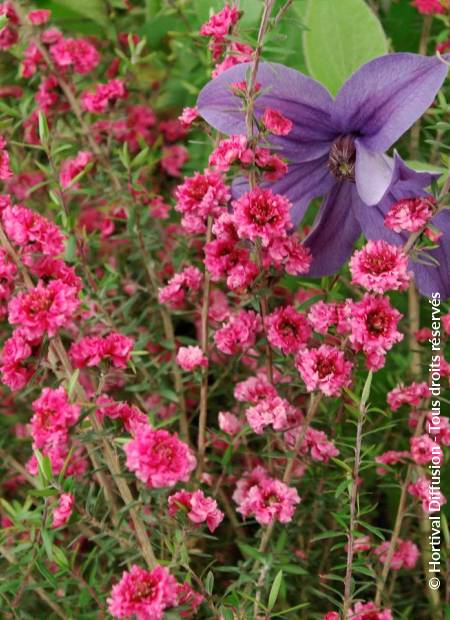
(274, 590)
(341, 37)
(209, 583)
(92, 9)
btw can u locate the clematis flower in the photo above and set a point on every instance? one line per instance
(336, 150)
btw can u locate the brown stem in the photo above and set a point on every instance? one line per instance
(201, 441)
(414, 326)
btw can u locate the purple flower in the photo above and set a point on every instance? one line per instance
(336, 150)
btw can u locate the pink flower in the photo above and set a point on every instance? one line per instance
(44, 309)
(129, 415)
(410, 214)
(224, 260)
(331, 615)
(430, 7)
(39, 17)
(173, 159)
(158, 458)
(261, 214)
(76, 53)
(191, 357)
(229, 423)
(98, 100)
(254, 389)
(174, 293)
(412, 394)
(71, 168)
(322, 316)
(373, 325)
(271, 412)
(430, 496)
(391, 457)
(239, 333)
(424, 450)
(188, 116)
(273, 166)
(25, 227)
(220, 24)
(369, 611)
(324, 369)
(229, 151)
(91, 350)
(239, 53)
(287, 329)
(187, 597)
(290, 254)
(380, 267)
(53, 417)
(200, 509)
(143, 594)
(276, 123)
(268, 500)
(16, 350)
(200, 196)
(405, 555)
(65, 506)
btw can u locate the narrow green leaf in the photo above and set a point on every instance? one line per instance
(274, 590)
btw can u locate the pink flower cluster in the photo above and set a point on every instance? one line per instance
(431, 7)
(412, 395)
(264, 498)
(104, 94)
(273, 411)
(288, 329)
(199, 197)
(129, 415)
(428, 494)
(380, 267)
(91, 350)
(424, 449)
(369, 611)
(62, 513)
(31, 231)
(78, 54)
(276, 123)
(200, 509)
(158, 458)
(5, 170)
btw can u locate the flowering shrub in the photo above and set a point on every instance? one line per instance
(224, 306)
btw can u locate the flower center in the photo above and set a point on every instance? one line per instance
(377, 322)
(342, 158)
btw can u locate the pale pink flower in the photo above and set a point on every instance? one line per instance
(254, 389)
(143, 594)
(188, 116)
(391, 457)
(200, 509)
(412, 394)
(229, 423)
(424, 449)
(410, 214)
(269, 500)
(380, 267)
(405, 555)
(271, 412)
(276, 123)
(430, 496)
(62, 513)
(324, 369)
(288, 253)
(174, 293)
(191, 357)
(98, 100)
(53, 417)
(158, 458)
(229, 151)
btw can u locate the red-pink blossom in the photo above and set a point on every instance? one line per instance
(129, 415)
(229, 423)
(431, 497)
(39, 17)
(200, 509)
(200, 196)
(276, 123)
(78, 54)
(158, 458)
(91, 350)
(229, 151)
(430, 7)
(424, 450)
(412, 395)
(44, 309)
(239, 333)
(369, 611)
(287, 329)
(380, 267)
(143, 594)
(220, 24)
(97, 101)
(71, 168)
(391, 457)
(188, 116)
(271, 412)
(173, 159)
(31, 231)
(174, 293)
(324, 369)
(261, 214)
(405, 555)
(53, 417)
(62, 513)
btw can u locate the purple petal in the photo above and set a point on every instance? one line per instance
(435, 278)
(301, 184)
(374, 174)
(381, 100)
(336, 230)
(301, 99)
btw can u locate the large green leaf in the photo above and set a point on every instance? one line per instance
(341, 36)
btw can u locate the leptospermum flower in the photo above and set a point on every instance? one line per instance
(336, 150)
